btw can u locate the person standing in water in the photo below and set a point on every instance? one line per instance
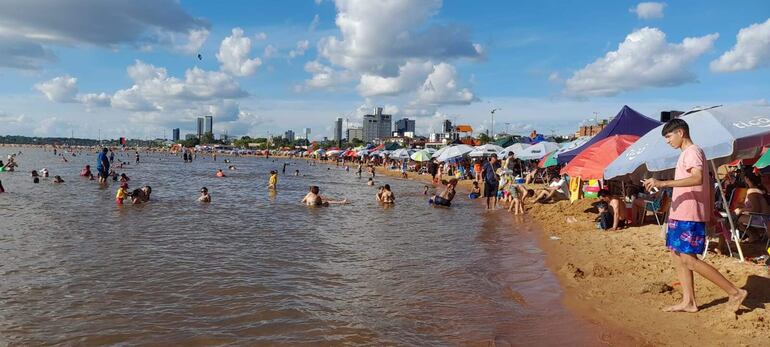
(103, 165)
(272, 183)
(691, 206)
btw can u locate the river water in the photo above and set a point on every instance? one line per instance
(257, 268)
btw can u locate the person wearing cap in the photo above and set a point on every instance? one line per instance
(122, 193)
(205, 197)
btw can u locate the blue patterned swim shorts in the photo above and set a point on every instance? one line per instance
(686, 237)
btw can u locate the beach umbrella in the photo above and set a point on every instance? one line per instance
(724, 133)
(422, 155)
(590, 162)
(333, 152)
(401, 153)
(439, 151)
(516, 148)
(430, 150)
(485, 150)
(537, 151)
(320, 152)
(549, 160)
(763, 161)
(454, 152)
(363, 152)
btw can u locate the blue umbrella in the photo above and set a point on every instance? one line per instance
(724, 134)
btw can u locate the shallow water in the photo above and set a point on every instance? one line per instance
(257, 268)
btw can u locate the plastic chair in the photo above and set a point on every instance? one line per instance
(658, 206)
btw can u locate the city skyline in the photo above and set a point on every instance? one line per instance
(268, 67)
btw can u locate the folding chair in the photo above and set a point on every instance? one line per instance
(658, 206)
(760, 221)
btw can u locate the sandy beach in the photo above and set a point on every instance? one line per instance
(622, 280)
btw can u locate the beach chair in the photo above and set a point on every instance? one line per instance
(658, 206)
(759, 221)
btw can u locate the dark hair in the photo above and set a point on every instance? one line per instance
(603, 193)
(602, 205)
(314, 189)
(35, 180)
(530, 192)
(755, 180)
(387, 186)
(105, 150)
(676, 124)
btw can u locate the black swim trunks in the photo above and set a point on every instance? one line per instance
(490, 190)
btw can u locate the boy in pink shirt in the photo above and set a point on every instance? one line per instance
(691, 203)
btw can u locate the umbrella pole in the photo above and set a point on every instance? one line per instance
(729, 214)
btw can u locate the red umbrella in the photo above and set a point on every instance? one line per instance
(590, 163)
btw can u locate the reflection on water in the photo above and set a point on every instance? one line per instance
(256, 267)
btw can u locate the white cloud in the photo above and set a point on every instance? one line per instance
(95, 100)
(649, 10)
(234, 55)
(302, 46)
(751, 51)
(314, 23)
(644, 59)
(6, 118)
(324, 77)
(30, 28)
(59, 89)
(260, 36)
(441, 88)
(269, 52)
(195, 40)
(410, 76)
(554, 77)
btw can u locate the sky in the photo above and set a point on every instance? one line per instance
(131, 68)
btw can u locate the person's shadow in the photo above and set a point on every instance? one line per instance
(759, 295)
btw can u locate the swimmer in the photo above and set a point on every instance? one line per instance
(445, 198)
(86, 172)
(220, 173)
(231, 168)
(121, 194)
(136, 196)
(205, 197)
(57, 179)
(296, 172)
(312, 198)
(34, 173)
(124, 178)
(387, 195)
(425, 191)
(273, 181)
(44, 172)
(370, 182)
(35, 179)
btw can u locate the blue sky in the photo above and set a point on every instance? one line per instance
(129, 68)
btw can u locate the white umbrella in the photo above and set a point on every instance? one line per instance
(401, 153)
(333, 152)
(439, 151)
(430, 150)
(516, 148)
(454, 152)
(485, 150)
(537, 151)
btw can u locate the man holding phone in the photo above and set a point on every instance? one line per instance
(691, 204)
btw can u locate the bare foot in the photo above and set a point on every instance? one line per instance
(735, 301)
(681, 308)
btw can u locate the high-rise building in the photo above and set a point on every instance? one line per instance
(307, 133)
(338, 130)
(377, 125)
(355, 133)
(200, 127)
(175, 134)
(289, 135)
(209, 129)
(446, 126)
(404, 125)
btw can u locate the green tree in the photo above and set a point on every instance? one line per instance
(484, 138)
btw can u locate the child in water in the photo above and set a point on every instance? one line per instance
(273, 181)
(122, 193)
(57, 179)
(205, 197)
(370, 182)
(220, 173)
(475, 191)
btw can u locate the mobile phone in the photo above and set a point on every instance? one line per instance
(653, 190)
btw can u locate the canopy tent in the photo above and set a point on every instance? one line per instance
(537, 151)
(590, 163)
(516, 148)
(626, 122)
(485, 150)
(551, 158)
(724, 134)
(454, 152)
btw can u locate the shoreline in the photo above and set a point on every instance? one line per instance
(620, 280)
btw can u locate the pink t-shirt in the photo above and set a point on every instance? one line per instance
(691, 203)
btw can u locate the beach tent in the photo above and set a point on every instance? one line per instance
(453, 152)
(590, 163)
(724, 133)
(626, 122)
(421, 155)
(537, 151)
(551, 158)
(516, 148)
(485, 150)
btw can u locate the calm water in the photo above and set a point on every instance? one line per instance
(256, 268)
